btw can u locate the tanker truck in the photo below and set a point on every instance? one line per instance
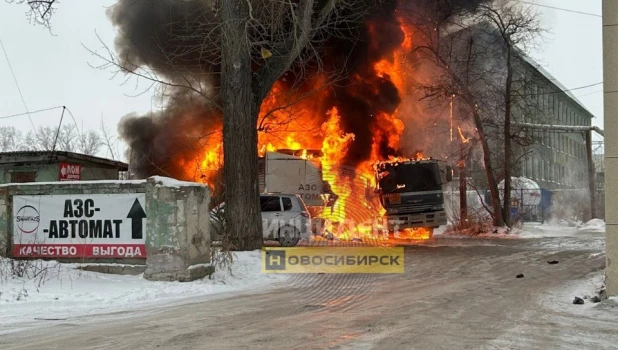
(411, 193)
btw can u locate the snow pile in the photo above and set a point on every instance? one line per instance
(77, 182)
(594, 225)
(530, 230)
(69, 292)
(170, 182)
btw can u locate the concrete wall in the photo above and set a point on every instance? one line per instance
(177, 234)
(177, 224)
(610, 78)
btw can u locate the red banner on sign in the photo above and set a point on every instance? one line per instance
(70, 172)
(116, 251)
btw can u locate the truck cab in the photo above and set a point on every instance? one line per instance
(411, 193)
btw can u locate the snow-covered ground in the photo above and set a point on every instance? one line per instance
(70, 293)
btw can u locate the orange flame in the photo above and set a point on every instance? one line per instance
(357, 212)
(461, 135)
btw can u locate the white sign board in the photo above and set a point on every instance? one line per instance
(80, 226)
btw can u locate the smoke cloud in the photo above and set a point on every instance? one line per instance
(167, 36)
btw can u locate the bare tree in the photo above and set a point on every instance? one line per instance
(68, 138)
(109, 142)
(11, 139)
(444, 43)
(517, 27)
(472, 55)
(39, 11)
(229, 54)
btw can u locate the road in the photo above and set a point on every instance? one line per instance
(454, 294)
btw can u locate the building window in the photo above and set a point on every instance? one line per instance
(531, 172)
(21, 177)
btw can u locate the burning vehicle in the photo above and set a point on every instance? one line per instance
(410, 191)
(319, 133)
(298, 172)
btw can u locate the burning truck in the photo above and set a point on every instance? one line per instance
(410, 191)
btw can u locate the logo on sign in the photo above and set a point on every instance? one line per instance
(27, 219)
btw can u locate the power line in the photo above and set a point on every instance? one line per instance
(590, 93)
(72, 117)
(567, 90)
(17, 84)
(560, 8)
(33, 112)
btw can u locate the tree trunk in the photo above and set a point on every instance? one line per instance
(469, 98)
(508, 154)
(463, 189)
(240, 167)
(591, 174)
(489, 171)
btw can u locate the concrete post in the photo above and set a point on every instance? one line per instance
(610, 78)
(5, 240)
(178, 231)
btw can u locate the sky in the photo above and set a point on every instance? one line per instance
(55, 69)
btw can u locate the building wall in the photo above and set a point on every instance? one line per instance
(177, 222)
(556, 160)
(610, 78)
(43, 172)
(49, 172)
(97, 173)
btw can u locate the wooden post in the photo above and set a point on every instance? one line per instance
(591, 171)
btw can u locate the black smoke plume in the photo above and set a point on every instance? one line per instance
(167, 36)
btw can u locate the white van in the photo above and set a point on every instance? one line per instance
(285, 218)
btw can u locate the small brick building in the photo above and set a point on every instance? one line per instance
(48, 166)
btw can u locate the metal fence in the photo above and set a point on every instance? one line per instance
(530, 205)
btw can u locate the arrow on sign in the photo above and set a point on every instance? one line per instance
(136, 214)
(63, 170)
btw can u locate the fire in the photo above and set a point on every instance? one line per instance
(414, 234)
(290, 122)
(461, 135)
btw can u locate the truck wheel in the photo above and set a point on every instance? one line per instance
(288, 236)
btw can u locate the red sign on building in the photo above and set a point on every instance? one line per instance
(70, 172)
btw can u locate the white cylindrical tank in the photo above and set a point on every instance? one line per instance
(526, 191)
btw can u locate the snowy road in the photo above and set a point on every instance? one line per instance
(455, 294)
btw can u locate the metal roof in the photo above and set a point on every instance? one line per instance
(43, 157)
(490, 29)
